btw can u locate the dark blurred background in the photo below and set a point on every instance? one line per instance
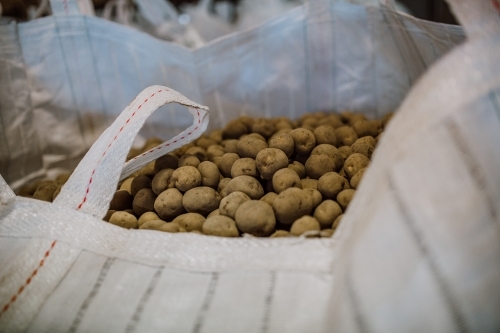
(432, 10)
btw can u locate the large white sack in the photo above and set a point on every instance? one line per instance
(66, 77)
(418, 249)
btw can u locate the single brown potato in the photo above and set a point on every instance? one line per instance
(255, 217)
(201, 200)
(327, 212)
(144, 201)
(168, 205)
(124, 220)
(230, 203)
(220, 225)
(291, 204)
(246, 184)
(270, 160)
(303, 224)
(285, 178)
(190, 221)
(185, 178)
(330, 185)
(304, 140)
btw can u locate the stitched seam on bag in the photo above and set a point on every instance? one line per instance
(146, 153)
(28, 280)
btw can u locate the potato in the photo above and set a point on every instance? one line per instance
(344, 198)
(264, 127)
(152, 225)
(213, 213)
(230, 203)
(198, 152)
(167, 161)
(356, 179)
(147, 170)
(162, 181)
(269, 198)
(345, 151)
(331, 151)
(280, 233)
(330, 185)
(108, 215)
(244, 167)
(62, 178)
(234, 129)
(346, 136)
(144, 201)
(226, 163)
(254, 136)
(255, 217)
(230, 146)
(124, 220)
(303, 224)
(189, 160)
(285, 178)
(147, 217)
(185, 178)
(250, 147)
(138, 183)
(337, 221)
(247, 121)
(315, 195)
(121, 200)
(304, 140)
(299, 168)
(220, 225)
(204, 141)
(222, 186)
(215, 151)
(354, 163)
(317, 165)
(209, 174)
(45, 191)
(365, 128)
(291, 204)
(284, 142)
(127, 184)
(270, 160)
(327, 212)
(246, 184)
(182, 150)
(309, 183)
(216, 135)
(325, 134)
(325, 233)
(190, 221)
(333, 120)
(363, 148)
(201, 200)
(168, 205)
(171, 227)
(366, 139)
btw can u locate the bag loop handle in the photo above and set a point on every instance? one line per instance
(93, 183)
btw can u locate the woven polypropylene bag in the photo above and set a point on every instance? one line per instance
(417, 250)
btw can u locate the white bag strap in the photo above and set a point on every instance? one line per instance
(479, 17)
(93, 183)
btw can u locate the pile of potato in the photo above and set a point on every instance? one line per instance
(262, 177)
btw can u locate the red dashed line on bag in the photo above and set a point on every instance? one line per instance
(28, 280)
(104, 153)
